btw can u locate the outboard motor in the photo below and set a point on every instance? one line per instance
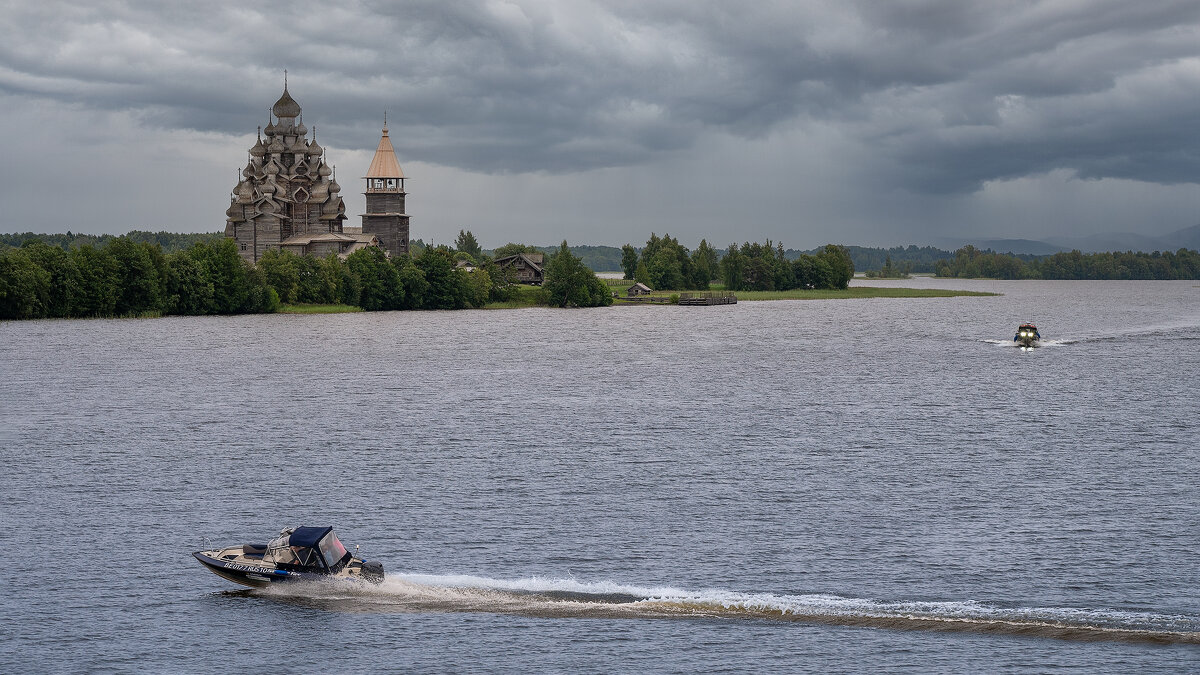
(372, 571)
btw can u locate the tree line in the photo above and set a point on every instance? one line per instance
(663, 263)
(169, 242)
(969, 262)
(126, 277)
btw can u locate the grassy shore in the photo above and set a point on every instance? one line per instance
(303, 308)
(527, 296)
(854, 292)
(532, 296)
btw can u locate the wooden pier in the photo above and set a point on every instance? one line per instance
(701, 298)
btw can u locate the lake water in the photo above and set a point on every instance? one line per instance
(792, 486)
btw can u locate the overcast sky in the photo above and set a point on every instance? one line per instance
(856, 122)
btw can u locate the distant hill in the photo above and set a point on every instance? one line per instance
(1188, 237)
(596, 258)
(1113, 241)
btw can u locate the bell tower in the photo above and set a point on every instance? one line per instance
(385, 217)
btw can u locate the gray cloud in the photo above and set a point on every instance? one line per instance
(933, 97)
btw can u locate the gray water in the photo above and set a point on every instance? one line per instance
(792, 486)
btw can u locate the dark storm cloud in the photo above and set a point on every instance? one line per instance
(946, 95)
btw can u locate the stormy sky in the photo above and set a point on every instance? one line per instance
(856, 122)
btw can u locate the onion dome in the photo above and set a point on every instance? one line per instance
(324, 171)
(276, 145)
(271, 168)
(270, 129)
(334, 187)
(286, 106)
(314, 149)
(259, 149)
(301, 130)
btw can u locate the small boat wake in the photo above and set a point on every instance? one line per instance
(568, 598)
(1040, 344)
(1187, 330)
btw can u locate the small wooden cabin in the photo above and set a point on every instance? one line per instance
(528, 267)
(639, 289)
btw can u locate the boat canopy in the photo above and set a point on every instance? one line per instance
(306, 546)
(307, 536)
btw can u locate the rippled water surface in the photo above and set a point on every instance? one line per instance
(793, 486)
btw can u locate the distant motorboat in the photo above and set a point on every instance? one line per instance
(297, 554)
(1027, 336)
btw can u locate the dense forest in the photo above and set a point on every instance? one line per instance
(157, 273)
(169, 242)
(125, 277)
(970, 262)
(663, 263)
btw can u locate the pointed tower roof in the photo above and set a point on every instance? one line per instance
(385, 164)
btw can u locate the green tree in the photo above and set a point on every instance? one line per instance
(804, 271)
(840, 265)
(260, 297)
(412, 279)
(642, 274)
(282, 271)
(467, 243)
(733, 268)
(569, 283)
(480, 283)
(98, 281)
(665, 270)
(64, 277)
(629, 261)
(345, 284)
(513, 249)
(781, 270)
(316, 282)
(24, 286)
(189, 290)
(228, 273)
(448, 286)
(140, 288)
(378, 280)
(705, 266)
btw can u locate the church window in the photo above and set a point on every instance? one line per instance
(378, 183)
(391, 183)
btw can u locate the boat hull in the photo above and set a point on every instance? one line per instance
(262, 575)
(254, 576)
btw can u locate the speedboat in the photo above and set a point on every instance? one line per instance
(297, 554)
(1027, 336)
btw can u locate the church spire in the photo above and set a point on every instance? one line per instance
(385, 165)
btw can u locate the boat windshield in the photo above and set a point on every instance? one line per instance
(332, 549)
